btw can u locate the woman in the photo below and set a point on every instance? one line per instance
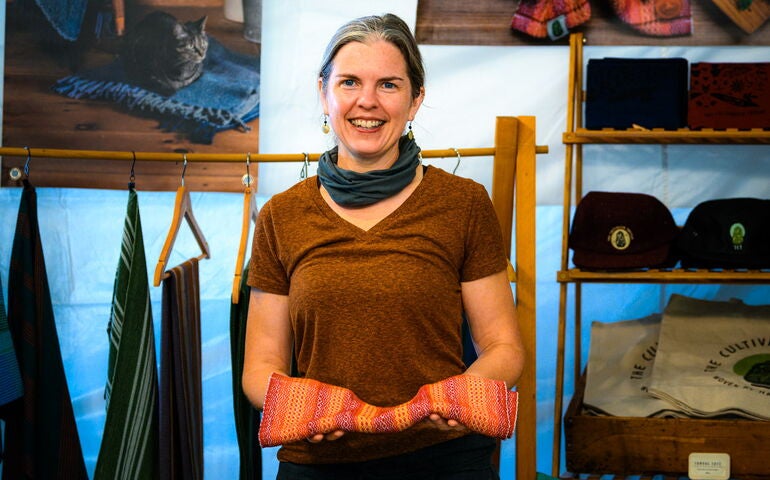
(361, 275)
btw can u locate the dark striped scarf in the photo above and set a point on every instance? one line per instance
(41, 436)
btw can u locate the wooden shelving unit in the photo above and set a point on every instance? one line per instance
(641, 446)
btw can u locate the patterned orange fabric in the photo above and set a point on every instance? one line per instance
(298, 408)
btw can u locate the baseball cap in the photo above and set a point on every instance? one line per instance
(620, 230)
(727, 233)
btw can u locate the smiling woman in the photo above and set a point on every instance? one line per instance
(346, 260)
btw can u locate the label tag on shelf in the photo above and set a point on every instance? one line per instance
(709, 466)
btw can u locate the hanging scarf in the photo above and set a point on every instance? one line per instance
(355, 189)
(129, 444)
(41, 435)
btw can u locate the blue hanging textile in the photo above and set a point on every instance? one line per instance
(226, 95)
(10, 377)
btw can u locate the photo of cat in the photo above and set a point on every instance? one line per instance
(163, 54)
(175, 79)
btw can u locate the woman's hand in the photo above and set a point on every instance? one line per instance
(329, 437)
(444, 424)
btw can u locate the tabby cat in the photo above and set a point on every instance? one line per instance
(163, 54)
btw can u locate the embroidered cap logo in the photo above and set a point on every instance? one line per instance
(620, 237)
(737, 233)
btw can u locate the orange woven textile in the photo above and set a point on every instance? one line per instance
(298, 408)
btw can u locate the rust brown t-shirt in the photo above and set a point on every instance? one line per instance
(377, 311)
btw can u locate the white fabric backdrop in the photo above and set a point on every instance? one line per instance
(467, 87)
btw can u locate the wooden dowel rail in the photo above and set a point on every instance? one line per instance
(216, 157)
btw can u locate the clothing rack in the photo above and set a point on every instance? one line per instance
(217, 157)
(513, 197)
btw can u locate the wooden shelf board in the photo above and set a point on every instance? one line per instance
(676, 275)
(660, 136)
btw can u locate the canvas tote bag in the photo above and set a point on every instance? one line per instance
(713, 358)
(620, 360)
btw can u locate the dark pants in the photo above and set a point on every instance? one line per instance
(466, 458)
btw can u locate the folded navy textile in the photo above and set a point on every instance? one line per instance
(225, 96)
(649, 92)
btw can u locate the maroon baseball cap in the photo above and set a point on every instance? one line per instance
(618, 230)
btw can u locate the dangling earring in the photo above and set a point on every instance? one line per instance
(410, 133)
(325, 126)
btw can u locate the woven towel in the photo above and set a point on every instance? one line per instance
(129, 445)
(298, 408)
(181, 404)
(226, 95)
(41, 436)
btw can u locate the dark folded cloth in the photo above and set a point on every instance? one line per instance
(225, 96)
(622, 92)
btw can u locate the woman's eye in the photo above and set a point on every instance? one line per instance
(348, 83)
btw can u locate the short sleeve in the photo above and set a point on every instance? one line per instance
(484, 249)
(266, 271)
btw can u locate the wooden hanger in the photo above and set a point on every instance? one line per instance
(249, 214)
(182, 211)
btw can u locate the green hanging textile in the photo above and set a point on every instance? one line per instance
(41, 437)
(246, 416)
(129, 446)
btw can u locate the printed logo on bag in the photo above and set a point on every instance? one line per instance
(755, 370)
(737, 233)
(620, 237)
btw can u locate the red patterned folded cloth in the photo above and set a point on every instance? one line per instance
(298, 408)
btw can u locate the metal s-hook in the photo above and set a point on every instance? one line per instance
(246, 179)
(184, 166)
(305, 166)
(131, 177)
(26, 164)
(457, 152)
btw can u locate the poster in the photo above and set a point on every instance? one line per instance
(115, 77)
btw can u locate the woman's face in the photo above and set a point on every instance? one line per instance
(369, 100)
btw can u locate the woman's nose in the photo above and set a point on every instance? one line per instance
(368, 97)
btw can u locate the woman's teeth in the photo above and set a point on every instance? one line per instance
(367, 123)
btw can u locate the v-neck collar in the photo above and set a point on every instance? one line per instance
(383, 223)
